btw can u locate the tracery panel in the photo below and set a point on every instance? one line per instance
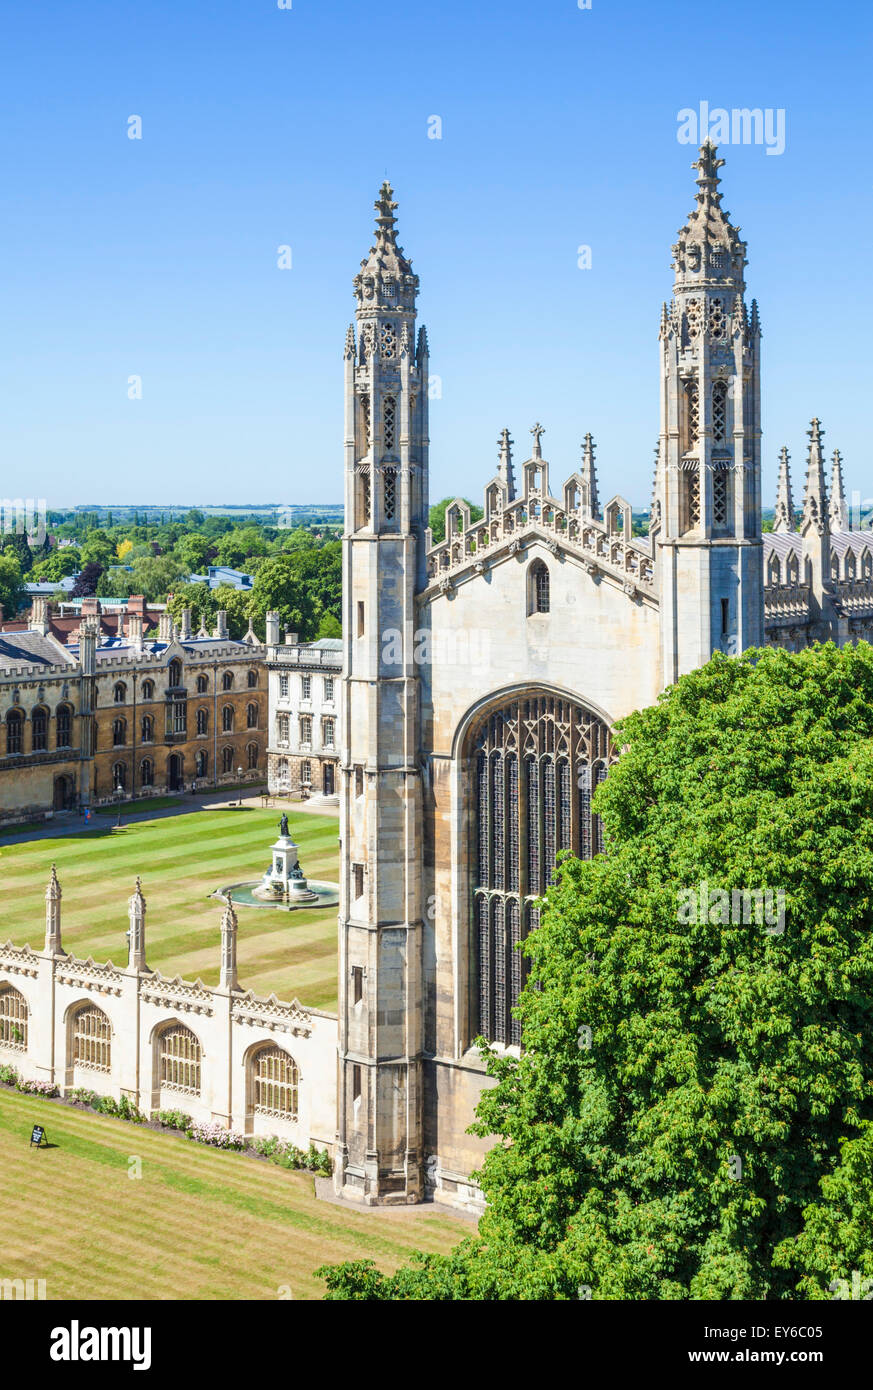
(535, 763)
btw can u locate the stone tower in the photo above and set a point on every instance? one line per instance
(707, 514)
(379, 1141)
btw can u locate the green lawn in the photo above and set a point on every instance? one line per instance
(198, 1224)
(182, 859)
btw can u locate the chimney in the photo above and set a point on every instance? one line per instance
(90, 606)
(136, 604)
(39, 616)
(221, 624)
(88, 647)
(165, 627)
(272, 628)
(185, 633)
(290, 639)
(134, 631)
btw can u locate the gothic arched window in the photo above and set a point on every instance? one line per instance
(92, 1035)
(63, 726)
(535, 765)
(276, 1080)
(227, 719)
(174, 673)
(692, 416)
(180, 1060)
(251, 716)
(148, 729)
(13, 1019)
(146, 773)
(201, 763)
(203, 721)
(538, 581)
(39, 730)
(13, 731)
(148, 690)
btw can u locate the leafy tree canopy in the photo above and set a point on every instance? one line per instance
(11, 589)
(692, 1116)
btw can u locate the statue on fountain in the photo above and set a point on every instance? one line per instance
(283, 824)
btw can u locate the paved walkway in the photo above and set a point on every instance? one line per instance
(65, 823)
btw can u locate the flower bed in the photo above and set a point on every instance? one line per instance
(271, 1147)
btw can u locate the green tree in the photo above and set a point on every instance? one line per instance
(437, 517)
(194, 553)
(690, 1117)
(58, 565)
(11, 588)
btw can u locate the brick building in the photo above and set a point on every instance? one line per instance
(102, 718)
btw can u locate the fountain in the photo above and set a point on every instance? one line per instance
(283, 884)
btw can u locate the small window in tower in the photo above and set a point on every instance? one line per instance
(356, 1082)
(360, 617)
(357, 983)
(390, 493)
(725, 617)
(388, 288)
(389, 421)
(720, 497)
(387, 340)
(719, 413)
(359, 781)
(358, 880)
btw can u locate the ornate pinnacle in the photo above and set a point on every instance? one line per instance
(350, 342)
(783, 519)
(504, 467)
(590, 501)
(537, 431)
(422, 350)
(707, 165)
(136, 899)
(815, 501)
(54, 888)
(838, 513)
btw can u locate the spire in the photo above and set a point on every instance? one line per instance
(537, 432)
(590, 501)
(422, 351)
(53, 916)
(385, 280)
(815, 498)
(229, 929)
(350, 348)
(504, 466)
(136, 909)
(838, 513)
(783, 519)
(709, 247)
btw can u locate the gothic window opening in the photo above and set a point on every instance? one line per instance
(276, 1081)
(389, 424)
(720, 497)
(390, 493)
(365, 425)
(92, 1035)
(13, 1019)
(690, 499)
(13, 731)
(251, 716)
(201, 764)
(538, 583)
(119, 732)
(227, 760)
(39, 730)
(227, 719)
(535, 764)
(252, 755)
(180, 1061)
(147, 773)
(174, 673)
(63, 726)
(692, 415)
(719, 413)
(148, 688)
(202, 722)
(717, 320)
(119, 776)
(202, 686)
(692, 315)
(387, 341)
(227, 680)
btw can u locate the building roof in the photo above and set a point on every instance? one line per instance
(19, 650)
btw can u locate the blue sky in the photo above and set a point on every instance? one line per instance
(265, 127)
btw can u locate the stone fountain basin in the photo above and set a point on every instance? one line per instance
(243, 896)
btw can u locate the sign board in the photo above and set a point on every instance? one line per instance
(37, 1135)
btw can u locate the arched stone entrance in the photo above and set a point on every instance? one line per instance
(64, 796)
